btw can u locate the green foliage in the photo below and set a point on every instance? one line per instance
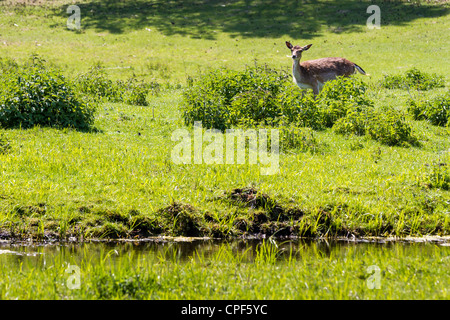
(389, 127)
(414, 79)
(96, 84)
(257, 106)
(437, 176)
(355, 121)
(395, 81)
(35, 94)
(339, 96)
(5, 144)
(386, 126)
(259, 96)
(223, 98)
(299, 108)
(135, 92)
(293, 136)
(436, 111)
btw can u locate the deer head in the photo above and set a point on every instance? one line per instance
(297, 50)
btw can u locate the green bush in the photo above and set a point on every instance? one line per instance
(292, 136)
(259, 96)
(339, 96)
(299, 108)
(255, 106)
(135, 92)
(394, 82)
(355, 121)
(223, 98)
(96, 84)
(389, 127)
(413, 78)
(436, 111)
(437, 176)
(34, 94)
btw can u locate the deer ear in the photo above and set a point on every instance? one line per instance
(288, 44)
(306, 47)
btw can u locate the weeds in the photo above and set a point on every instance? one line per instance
(5, 144)
(437, 176)
(35, 94)
(414, 79)
(436, 110)
(95, 83)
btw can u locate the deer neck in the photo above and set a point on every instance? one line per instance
(297, 71)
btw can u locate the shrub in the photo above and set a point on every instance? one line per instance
(292, 136)
(423, 81)
(413, 78)
(436, 111)
(256, 106)
(299, 108)
(223, 98)
(355, 121)
(96, 84)
(389, 127)
(339, 96)
(35, 94)
(203, 105)
(437, 176)
(394, 82)
(135, 92)
(259, 96)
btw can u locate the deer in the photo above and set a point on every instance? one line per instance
(313, 74)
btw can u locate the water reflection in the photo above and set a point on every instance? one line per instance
(245, 250)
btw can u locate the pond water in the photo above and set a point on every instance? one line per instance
(240, 269)
(187, 249)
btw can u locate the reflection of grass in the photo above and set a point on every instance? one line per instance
(307, 271)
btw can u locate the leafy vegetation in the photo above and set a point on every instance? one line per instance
(436, 110)
(223, 98)
(414, 79)
(341, 161)
(437, 176)
(35, 94)
(344, 169)
(232, 98)
(96, 84)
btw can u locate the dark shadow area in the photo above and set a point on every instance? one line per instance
(295, 19)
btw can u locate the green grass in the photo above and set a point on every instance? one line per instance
(194, 36)
(120, 180)
(125, 169)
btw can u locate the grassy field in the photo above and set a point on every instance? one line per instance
(120, 181)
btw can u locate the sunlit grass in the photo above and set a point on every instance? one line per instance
(60, 183)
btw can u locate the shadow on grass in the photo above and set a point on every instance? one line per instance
(297, 19)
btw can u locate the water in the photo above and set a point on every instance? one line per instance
(238, 269)
(15, 253)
